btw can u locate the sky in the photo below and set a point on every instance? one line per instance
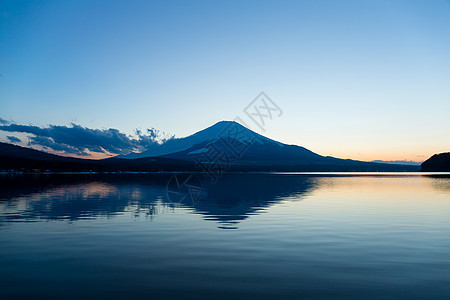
(354, 79)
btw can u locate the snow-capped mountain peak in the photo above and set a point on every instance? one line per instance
(230, 130)
(223, 130)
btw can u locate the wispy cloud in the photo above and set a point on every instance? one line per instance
(13, 139)
(79, 140)
(3, 121)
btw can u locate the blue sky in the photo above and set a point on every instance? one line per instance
(355, 79)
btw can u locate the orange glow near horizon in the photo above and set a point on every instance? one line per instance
(343, 151)
(347, 155)
(380, 154)
(92, 155)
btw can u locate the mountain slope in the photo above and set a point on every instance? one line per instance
(13, 151)
(273, 158)
(17, 158)
(437, 163)
(14, 157)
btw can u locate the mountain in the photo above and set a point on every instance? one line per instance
(220, 130)
(437, 163)
(225, 146)
(398, 162)
(235, 141)
(231, 146)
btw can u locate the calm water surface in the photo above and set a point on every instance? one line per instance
(240, 235)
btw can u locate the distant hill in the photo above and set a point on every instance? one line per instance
(13, 151)
(20, 158)
(398, 162)
(437, 163)
(16, 158)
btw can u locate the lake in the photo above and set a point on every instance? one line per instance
(252, 236)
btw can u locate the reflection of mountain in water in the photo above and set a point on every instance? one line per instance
(229, 200)
(440, 182)
(235, 197)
